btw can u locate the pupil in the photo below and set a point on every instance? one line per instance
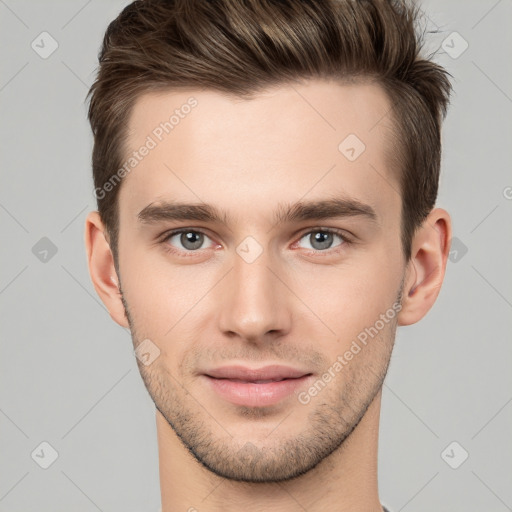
(193, 240)
(323, 239)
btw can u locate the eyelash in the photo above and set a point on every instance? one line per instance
(347, 241)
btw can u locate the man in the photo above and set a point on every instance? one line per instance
(266, 174)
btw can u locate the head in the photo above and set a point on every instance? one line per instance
(261, 119)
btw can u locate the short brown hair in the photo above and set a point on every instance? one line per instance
(244, 46)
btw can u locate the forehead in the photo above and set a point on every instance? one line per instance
(281, 145)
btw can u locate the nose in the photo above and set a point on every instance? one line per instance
(254, 301)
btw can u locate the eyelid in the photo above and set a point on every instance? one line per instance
(173, 232)
(326, 229)
(348, 239)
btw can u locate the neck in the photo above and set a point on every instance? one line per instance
(344, 481)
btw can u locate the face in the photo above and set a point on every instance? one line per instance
(271, 299)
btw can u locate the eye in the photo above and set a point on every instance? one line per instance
(189, 239)
(322, 239)
(193, 240)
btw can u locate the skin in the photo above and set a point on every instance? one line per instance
(298, 304)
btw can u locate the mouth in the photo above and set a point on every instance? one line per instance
(258, 387)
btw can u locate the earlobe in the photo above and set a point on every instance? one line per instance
(426, 268)
(102, 269)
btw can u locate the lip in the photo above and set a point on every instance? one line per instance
(255, 387)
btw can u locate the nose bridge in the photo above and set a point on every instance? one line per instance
(253, 300)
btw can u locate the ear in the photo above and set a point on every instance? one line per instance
(101, 268)
(425, 270)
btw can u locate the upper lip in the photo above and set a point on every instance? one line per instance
(271, 372)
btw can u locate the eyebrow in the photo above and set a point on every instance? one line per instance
(285, 213)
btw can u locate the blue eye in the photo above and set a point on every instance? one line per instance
(190, 240)
(322, 239)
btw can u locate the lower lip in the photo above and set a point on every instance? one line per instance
(252, 394)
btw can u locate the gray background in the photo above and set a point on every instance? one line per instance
(68, 373)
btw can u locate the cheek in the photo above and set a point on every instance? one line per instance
(350, 298)
(147, 289)
(163, 298)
